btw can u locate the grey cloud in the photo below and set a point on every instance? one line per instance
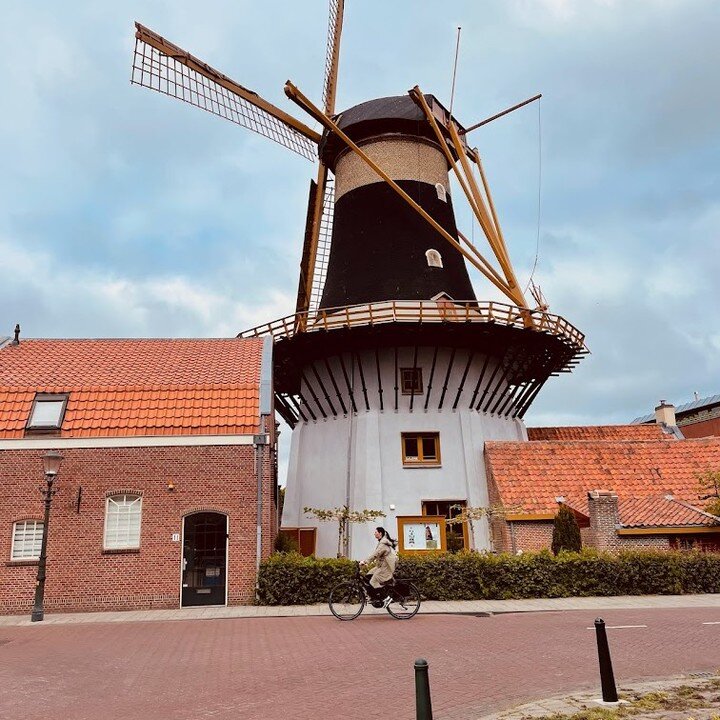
(107, 183)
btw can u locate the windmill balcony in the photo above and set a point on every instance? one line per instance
(419, 312)
(493, 355)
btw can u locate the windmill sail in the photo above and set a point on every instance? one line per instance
(322, 253)
(318, 234)
(159, 65)
(332, 55)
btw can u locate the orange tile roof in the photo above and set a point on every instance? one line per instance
(661, 512)
(530, 475)
(135, 387)
(599, 432)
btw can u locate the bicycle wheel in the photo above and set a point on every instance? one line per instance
(405, 600)
(347, 600)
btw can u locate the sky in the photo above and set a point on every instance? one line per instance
(124, 213)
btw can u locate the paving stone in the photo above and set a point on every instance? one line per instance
(287, 668)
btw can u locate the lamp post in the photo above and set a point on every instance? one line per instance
(51, 465)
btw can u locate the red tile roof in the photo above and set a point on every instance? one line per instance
(531, 475)
(599, 432)
(661, 512)
(135, 387)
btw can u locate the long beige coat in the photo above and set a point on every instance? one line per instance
(385, 559)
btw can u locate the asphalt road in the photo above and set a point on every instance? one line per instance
(318, 667)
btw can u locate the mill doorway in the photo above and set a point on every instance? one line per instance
(204, 562)
(457, 533)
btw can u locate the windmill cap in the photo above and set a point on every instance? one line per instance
(389, 115)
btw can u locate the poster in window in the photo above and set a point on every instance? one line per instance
(421, 536)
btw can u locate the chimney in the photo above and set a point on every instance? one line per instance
(16, 339)
(603, 511)
(665, 414)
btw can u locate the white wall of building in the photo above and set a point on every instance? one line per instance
(359, 456)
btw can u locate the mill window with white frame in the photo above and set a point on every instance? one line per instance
(26, 540)
(123, 514)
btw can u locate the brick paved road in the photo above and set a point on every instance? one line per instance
(301, 668)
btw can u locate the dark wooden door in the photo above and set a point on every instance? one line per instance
(204, 559)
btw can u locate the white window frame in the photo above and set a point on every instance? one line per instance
(434, 258)
(127, 538)
(24, 549)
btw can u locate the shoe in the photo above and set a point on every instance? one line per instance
(386, 601)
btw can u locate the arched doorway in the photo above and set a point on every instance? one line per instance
(204, 562)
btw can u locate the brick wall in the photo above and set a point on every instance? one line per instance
(701, 428)
(532, 535)
(603, 512)
(500, 538)
(80, 575)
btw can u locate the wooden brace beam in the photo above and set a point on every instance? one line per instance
(296, 96)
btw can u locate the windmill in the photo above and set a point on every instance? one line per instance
(391, 372)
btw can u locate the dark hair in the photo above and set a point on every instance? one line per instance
(385, 534)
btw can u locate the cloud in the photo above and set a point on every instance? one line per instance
(51, 298)
(126, 213)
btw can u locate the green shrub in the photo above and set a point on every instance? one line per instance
(455, 540)
(566, 531)
(290, 579)
(285, 544)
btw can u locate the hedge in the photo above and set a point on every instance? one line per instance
(290, 579)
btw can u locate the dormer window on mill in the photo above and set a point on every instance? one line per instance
(47, 412)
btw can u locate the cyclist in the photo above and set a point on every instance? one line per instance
(384, 559)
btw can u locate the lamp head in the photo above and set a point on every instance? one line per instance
(51, 462)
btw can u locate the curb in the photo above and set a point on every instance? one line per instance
(571, 703)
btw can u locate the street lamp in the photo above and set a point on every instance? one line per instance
(51, 465)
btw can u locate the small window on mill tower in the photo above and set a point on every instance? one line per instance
(434, 259)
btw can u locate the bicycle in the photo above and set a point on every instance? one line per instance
(349, 597)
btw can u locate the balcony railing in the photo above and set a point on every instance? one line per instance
(419, 312)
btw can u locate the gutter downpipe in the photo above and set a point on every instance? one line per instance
(260, 441)
(346, 539)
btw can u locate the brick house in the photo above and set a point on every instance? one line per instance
(167, 487)
(696, 419)
(630, 486)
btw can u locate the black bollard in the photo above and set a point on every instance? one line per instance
(607, 678)
(423, 705)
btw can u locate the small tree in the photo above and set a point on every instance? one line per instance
(281, 502)
(566, 531)
(344, 517)
(710, 490)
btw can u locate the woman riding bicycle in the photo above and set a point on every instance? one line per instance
(384, 559)
(401, 598)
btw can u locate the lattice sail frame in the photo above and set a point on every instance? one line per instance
(159, 71)
(322, 255)
(330, 57)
